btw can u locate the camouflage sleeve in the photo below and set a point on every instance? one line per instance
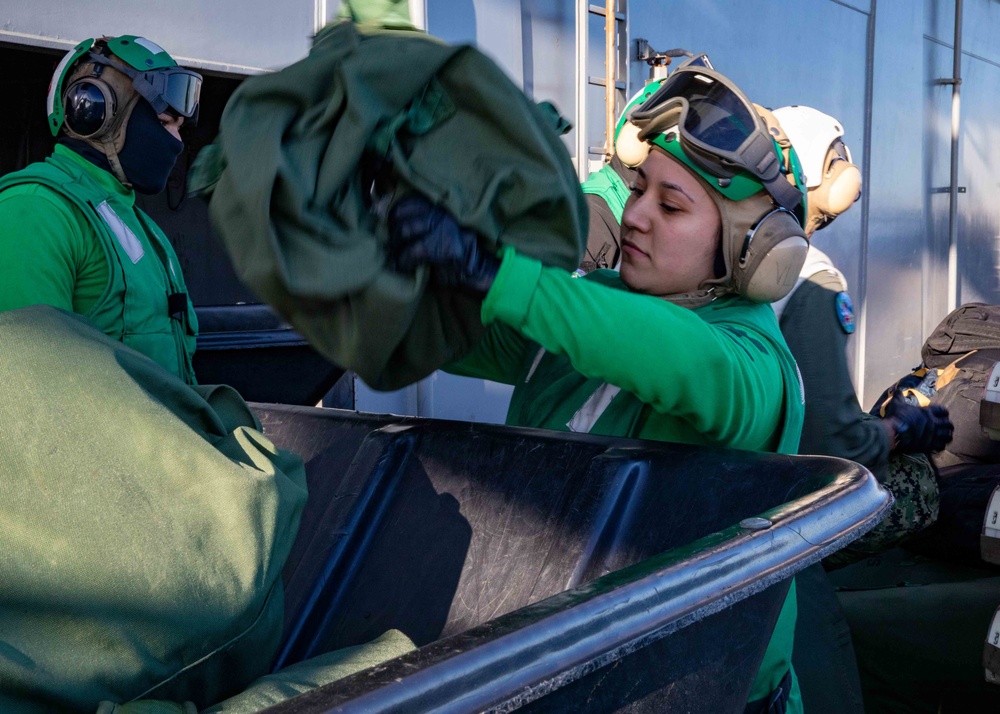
(914, 486)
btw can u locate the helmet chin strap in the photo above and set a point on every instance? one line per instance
(108, 147)
(115, 138)
(698, 298)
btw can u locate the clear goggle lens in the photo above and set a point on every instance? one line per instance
(717, 117)
(179, 88)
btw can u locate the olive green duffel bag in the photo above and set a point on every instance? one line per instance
(143, 526)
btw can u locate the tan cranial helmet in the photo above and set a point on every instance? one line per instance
(110, 139)
(97, 85)
(834, 182)
(763, 248)
(700, 118)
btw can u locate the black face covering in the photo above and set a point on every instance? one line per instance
(150, 150)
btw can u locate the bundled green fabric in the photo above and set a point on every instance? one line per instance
(285, 684)
(143, 526)
(387, 13)
(309, 158)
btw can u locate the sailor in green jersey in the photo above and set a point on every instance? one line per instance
(606, 191)
(678, 346)
(71, 235)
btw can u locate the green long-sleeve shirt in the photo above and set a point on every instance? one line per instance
(717, 375)
(585, 354)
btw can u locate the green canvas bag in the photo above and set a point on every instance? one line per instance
(309, 158)
(143, 525)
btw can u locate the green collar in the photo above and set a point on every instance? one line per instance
(105, 180)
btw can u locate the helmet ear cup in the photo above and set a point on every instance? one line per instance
(630, 148)
(840, 188)
(774, 252)
(90, 106)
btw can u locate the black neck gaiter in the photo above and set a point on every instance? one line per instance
(86, 151)
(150, 151)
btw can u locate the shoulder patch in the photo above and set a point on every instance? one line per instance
(845, 312)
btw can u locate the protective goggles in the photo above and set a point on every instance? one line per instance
(719, 130)
(171, 89)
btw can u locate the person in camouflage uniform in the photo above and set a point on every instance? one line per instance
(911, 479)
(919, 613)
(817, 319)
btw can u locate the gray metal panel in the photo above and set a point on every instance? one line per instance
(936, 180)
(237, 36)
(979, 173)
(810, 52)
(939, 20)
(981, 18)
(979, 154)
(897, 192)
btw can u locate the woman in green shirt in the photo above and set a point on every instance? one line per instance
(680, 345)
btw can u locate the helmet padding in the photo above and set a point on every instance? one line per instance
(761, 269)
(116, 87)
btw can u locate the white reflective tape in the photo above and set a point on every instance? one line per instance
(991, 652)
(993, 638)
(534, 365)
(587, 415)
(127, 239)
(993, 384)
(149, 45)
(50, 100)
(991, 524)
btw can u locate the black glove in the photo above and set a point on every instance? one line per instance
(421, 233)
(919, 429)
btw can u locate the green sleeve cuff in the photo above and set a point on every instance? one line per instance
(513, 289)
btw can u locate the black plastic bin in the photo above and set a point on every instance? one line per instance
(548, 571)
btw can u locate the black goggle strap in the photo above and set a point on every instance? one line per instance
(787, 196)
(769, 168)
(756, 155)
(143, 83)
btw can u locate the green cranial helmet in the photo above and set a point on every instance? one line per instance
(632, 150)
(84, 98)
(739, 153)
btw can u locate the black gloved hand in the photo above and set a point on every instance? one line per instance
(919, 429)
(421, 233)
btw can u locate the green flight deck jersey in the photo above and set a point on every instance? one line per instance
(606, 192)
(588, 355)
(72, 237)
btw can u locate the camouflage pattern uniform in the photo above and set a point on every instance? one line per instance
(914, 486)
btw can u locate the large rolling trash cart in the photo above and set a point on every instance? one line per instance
(544, 571)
